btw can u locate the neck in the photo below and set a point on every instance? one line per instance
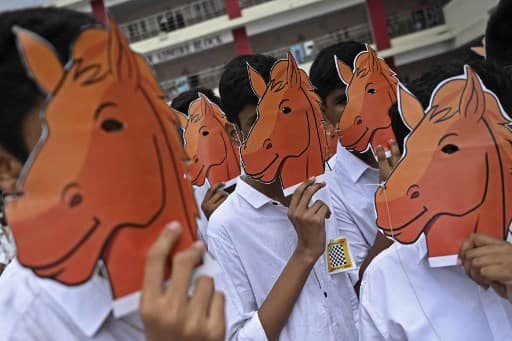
(367, 157)
(273, 190)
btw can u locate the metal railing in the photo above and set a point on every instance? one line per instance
(308, 50)
(178, 17)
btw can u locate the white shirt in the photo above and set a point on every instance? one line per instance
(402, 298)
(202, 221)
(352, 185)
(32, 308)
(252, 239)
(7, 246)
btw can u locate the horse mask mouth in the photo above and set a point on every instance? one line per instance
(267, 173)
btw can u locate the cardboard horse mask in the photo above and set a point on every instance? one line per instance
(287, 140)
(455, 176)
(108, 172)
(371, 91)
(213, 156)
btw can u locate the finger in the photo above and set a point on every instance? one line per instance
(219, 201)
(212, 190)
(297, 195)
(156, 260)
(383, 162)
(483, 239)
(494, 249)
(395, 152)
(217, 317)
(486, 260)
(496, 273)
(201, 299)
(323, 212)
(183, 265)
(467, 245)
(303, 205)
(500, 289)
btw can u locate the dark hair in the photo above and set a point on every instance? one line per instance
(323, 73)
(183, 100)
(495, 78)
(235, 87)
(498, 35)
(398, 126)
(18, 93)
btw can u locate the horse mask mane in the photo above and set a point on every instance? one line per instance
(213, 156)
(371, 91)
(287, 140)
(455, 176)
(109, 170)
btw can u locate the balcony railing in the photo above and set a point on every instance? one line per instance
(178, 17)
(307, 51)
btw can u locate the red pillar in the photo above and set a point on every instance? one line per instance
(240, 37)
(379, 24)
(98, 8)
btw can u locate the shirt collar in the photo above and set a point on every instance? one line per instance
(254, 197)
(88, 304)
(352, 165)
(421, 249)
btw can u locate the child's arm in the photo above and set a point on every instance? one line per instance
(309, 223)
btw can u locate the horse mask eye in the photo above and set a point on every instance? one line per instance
(372, 91)
(111, 125)
(450, 149)
(286, 110)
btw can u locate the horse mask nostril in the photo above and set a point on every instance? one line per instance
(267, 145)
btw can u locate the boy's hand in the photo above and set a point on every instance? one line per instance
(212, 199)
(309, 221)
(386, 165)
(169, 313)
(488, 261)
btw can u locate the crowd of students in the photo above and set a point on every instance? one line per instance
(273, 282)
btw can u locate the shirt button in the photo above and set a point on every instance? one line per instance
(325, 294)
(274, 203)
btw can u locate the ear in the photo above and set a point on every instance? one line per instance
(472, 101)
(123, 63)
(41, 61)
(344, 71)
(292, 72)
(373, 59)
(230, 129)
(10, 170)
(410, 108)
(258, 83)
(181, 118)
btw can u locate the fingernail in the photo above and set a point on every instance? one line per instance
(391, 141)
(174, 226)
(313, 178)
(199, 244)
(379, 147)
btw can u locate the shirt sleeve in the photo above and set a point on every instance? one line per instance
(346, 227)
(243, 322)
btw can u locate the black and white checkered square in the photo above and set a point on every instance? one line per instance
(337, 256)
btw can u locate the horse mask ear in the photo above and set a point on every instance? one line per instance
(410, 108)
(292, 72)
(258, 83)
(472, 101)
(41, 60)
(123, 62)
(206, 107)
(373, 59)
(344, 71)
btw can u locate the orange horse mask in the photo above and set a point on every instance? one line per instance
(287, 140)
(454, 178)
(213, 156)
(109, 170)
(371, 91)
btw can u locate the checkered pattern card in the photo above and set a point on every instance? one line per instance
(339, 256)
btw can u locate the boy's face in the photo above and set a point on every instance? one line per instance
(334, 105)
(246, 117)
